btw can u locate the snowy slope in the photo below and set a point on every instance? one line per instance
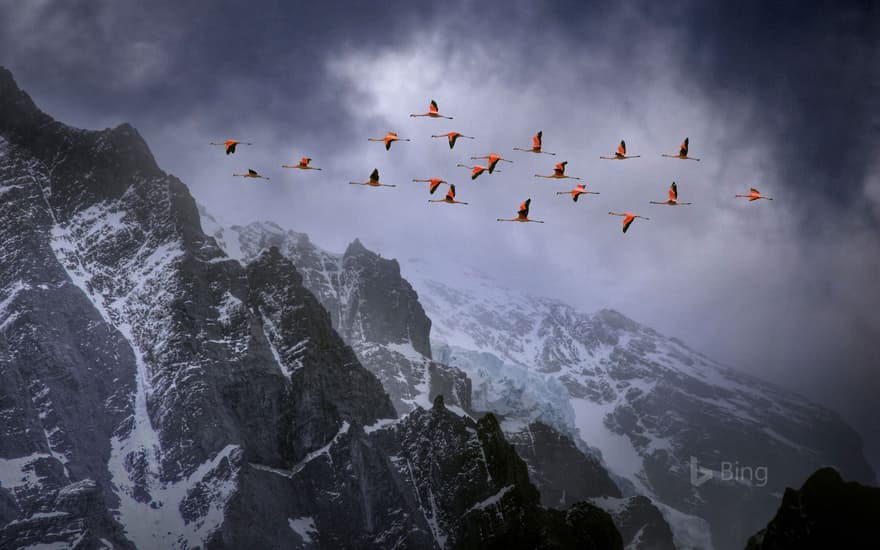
(647, 403)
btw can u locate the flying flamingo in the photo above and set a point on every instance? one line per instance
(682, 152)
(432, 112)
(475, 170)
(621, 153)
(558, 172)
(389, 139)
(230, 144)
(522, 215)
(755, 195)
(373, 181)
(303, 164)
(581, 189)
(450, 197)
(536, 145)
(493, 160)
(673, 197)
(451, 136)
(251, 174)
(628, 218)
(435, 183)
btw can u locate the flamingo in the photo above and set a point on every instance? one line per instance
(475, 170)
(450, 197)
(303, 164)
(754, 195)
(451, 136)
(230, 144)
(682, 152)
(536, 145)
(558, 172)
(373, 181)
(673, 197)
(628, 218)
(522, 215)
(388, 139)
(621, 153)
(435, 183)
(581, 189)
(432, 112)
(251, 174)
(493, 160)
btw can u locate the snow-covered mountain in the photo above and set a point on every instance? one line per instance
(379, 315)
(372, 307)
(651, 408)
(156, 393)
(650, 404)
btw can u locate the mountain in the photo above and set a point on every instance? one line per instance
(826, 512)
(372, 307)
(378, 313)
(671, 424)
(156, 393)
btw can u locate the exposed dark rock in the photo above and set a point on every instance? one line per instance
(826, 512)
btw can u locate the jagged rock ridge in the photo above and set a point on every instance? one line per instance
(374, 309)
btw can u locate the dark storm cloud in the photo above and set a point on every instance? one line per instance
(812, 69)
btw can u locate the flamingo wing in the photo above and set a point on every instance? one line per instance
(452, 137)
(684, 148)
(673, 192)
(252, 173)
(754, 191)
(375, 175)
(450, 195)
(575, 195)
(621, 149)
(627, 221)
(560, 168)
(433, 107)
(230, 147)
(536, 140)
(305, 161)
(524, 209)
(435, 183)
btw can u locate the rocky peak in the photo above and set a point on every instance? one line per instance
(87, 166)
(826, 512)
(356, 247)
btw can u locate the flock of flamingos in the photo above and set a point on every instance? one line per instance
(492, 161)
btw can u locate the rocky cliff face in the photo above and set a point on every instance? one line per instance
(375, 310)
(826, 512)
(157, 394)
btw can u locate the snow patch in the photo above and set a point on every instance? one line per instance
(304, 527)
(19, 472)
(491, 501)
(688, 532)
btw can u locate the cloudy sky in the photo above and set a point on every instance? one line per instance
(781, 97)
